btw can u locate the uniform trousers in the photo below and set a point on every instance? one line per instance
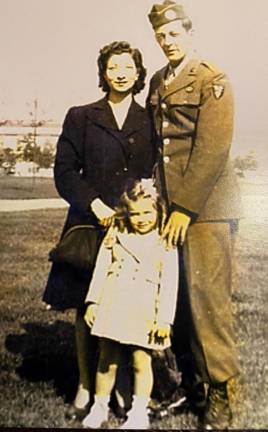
(204, 316)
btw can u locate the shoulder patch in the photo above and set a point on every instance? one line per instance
(217, 90)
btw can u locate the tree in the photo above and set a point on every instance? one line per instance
(245, 163)
(7, 159)
(46, 155)
(27, 150)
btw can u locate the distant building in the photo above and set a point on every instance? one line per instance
(26, 169)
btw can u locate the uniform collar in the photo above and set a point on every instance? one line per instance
(185, 74)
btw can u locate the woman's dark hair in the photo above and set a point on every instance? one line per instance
(135, 190)
(119, 48)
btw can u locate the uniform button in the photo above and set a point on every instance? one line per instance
(185, 101)
(131, 140)
(165, 124)
(166, 141)
(163, 105)
(125, 169)
(166, 159)
(189, 89)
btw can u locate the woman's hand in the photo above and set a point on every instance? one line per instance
(103, 212)
(90, 314)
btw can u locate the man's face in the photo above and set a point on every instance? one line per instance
(174, 40)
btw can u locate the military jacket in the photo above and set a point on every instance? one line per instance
(193, 118)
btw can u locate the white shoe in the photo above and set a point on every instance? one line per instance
(138, 416)
(139, 422)
(98, 413)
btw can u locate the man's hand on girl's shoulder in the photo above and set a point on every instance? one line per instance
(175, 229)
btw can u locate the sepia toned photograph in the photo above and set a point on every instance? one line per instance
(134, 214)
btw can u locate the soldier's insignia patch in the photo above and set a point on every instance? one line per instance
(218, 90)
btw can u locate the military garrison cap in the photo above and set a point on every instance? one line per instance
(166, 12)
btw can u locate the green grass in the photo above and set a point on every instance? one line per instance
(37, 355)
(27, 187)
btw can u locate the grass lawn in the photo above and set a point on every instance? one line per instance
(27, 187)
(37, 355)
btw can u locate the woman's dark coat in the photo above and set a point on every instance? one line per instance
(94, 159)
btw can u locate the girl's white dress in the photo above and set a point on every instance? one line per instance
(135, 285)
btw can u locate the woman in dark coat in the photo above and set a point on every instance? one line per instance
(101, 146)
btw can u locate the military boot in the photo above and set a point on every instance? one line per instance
(217, 413)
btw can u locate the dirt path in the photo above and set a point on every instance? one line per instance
(31, 204)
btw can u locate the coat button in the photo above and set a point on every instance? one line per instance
(165, 124)
(166, 141)
(130, 156)
(166, 159)
(131, 140)
(125, 169)
(163, 105)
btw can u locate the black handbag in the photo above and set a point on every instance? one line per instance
(78, 247)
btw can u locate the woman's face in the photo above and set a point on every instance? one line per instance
(121, 73)
(142, 215)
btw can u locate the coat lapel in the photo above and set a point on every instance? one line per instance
(135, 118)
(101, 113)
(186, 77)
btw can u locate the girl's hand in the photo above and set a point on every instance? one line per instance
(163, 331)
(103, 212)
(90, 314)
(159, 333)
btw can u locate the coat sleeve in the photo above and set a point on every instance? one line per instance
(99, 274)
(211, 145)
(169, 282)
(69, 163)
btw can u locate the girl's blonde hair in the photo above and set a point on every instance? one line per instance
(135, 190)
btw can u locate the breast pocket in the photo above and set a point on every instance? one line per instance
(183, 110)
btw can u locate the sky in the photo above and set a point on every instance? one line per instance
(49, 48)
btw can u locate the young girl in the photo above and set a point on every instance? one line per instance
(132, 300)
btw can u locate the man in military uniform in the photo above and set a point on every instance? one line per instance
(192, 108)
